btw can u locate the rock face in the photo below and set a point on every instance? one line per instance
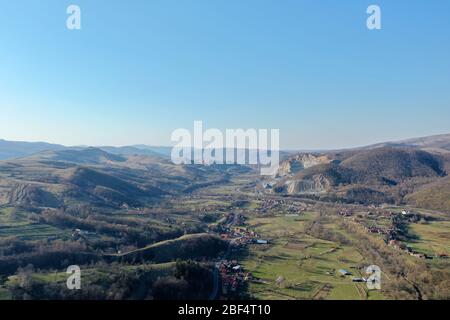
(301, 162)
(316, 184)
(375, 176)
(287, 179)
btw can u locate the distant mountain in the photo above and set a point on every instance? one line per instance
(93, 176)
(437, 143)
(161, 150)
(131, 150)
(85, 156)
(17, 149)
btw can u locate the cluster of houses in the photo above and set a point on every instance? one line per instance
(242, 236)
(232, 276)
(268, 205)
(391, 233)
(231, 273)
(77, 233)
(345, 212)
(378, 230)
(401, 246)
(344, 272)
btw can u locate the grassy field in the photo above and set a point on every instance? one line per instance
(4, 294)
(17, 224)
(432, 239)
(305, 267)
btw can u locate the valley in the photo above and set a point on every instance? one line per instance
(141, 227)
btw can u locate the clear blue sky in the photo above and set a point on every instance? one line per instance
(139, 69)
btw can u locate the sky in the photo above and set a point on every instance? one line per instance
(137, 70)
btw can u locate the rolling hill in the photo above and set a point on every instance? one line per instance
(83, 156)
(435, 196)
(94, 176)
(17, 149)
(20, 149)
(186, 247)
(437, 143)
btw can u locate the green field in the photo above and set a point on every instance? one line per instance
(19, 225)
(306, 267)
(432, 239)
(4, 294)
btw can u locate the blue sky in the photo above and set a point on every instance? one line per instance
(137, 70)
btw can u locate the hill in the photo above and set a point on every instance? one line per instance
(83, 156)
(96, 177)
(129, 150)
(393, 165)
(436, 143)
(186, 247)
(17, 149)
(435, 196)
(377, 175)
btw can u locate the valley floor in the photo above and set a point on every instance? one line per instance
(303, 247)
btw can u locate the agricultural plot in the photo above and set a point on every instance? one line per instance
(298, 266)
(16, 224)
(432, 239)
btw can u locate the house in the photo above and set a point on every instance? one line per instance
(344, 272)
(359, 280)
(237, 268)
(260, 241)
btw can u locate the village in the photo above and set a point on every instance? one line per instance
(232, 275)
(392, 233)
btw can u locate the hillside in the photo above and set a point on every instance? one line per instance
(109, 188)
(17, 149)
(83, 156)
(393, 165)
(436, 143)
(432, 196)
(96, 177)
(186, 247)
(378, 175)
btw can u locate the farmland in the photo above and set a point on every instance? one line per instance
(432, 239)
(208, 232)
(17, 223)
(306, 267)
